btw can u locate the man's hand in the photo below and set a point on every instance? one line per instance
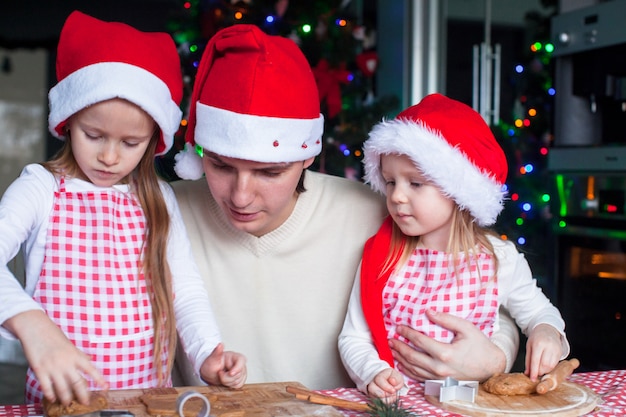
(470, 355)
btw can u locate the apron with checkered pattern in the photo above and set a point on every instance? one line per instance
(430, 281)
(92, 287)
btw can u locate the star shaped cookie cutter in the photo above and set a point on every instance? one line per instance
(451, 389)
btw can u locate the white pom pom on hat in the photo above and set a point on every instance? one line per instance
(98, 61)
(451, 145)
(254, 98)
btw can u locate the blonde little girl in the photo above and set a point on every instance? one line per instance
(442, 173)
(110, 280)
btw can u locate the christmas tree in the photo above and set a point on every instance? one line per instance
(525, 132)
(340, 45)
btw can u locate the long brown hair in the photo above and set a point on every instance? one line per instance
(145, 184)
(465, 236)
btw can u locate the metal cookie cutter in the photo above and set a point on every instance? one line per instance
(186, 396)
(450, 389)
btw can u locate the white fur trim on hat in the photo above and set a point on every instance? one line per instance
(103, 81)
(445, 165)
(257, 138)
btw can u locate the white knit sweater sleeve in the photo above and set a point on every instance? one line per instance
(197, 328)
(24, 211)
(358, 353)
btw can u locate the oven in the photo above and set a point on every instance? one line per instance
(587, 168)
(589, 234)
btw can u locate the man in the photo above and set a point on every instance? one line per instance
(278, 245)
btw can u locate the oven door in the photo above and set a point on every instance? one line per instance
(591, 286)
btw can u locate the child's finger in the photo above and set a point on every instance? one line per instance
(47, 389)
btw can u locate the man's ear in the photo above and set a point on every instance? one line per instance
(307, 162)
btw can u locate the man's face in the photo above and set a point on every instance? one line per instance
(256, 197)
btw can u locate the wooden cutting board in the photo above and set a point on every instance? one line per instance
(253, 400)
(567, 400)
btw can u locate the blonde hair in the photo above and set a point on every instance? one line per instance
(145, 184)
(465, 236)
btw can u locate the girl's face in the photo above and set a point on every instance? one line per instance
(418, 207)
(257, 197)
(109, 139)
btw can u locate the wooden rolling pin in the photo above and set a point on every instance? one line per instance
(559, 374)
(316, 398)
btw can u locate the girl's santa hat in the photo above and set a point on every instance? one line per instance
(451, 145)
(254, 98)
(98, 61)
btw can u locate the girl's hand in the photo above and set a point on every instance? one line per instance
(59, 366)
(224, 368)
(386, 385)
(543, 351)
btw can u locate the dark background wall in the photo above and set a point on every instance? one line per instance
(37, 23)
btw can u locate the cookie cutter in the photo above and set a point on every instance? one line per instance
(186, 396)
(451, 389)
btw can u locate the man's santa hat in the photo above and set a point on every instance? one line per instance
(98, 61)
(451, 145)
(254, 98)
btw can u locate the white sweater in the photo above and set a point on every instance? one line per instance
(281, 299)
(24, 218)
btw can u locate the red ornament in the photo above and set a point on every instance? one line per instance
(367, 62)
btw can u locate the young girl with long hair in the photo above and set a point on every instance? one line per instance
(110, 280)
(443, 175)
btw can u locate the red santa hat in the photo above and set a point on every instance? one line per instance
(254, 98)
(98, 61)
(452, 146)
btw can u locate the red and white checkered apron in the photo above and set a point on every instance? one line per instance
(92, 287)
(429, 281)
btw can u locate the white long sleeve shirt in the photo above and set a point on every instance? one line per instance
(24, 219)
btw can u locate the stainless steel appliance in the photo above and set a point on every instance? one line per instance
(587, 165)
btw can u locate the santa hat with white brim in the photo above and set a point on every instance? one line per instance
(254, 98)
(98, 61)
(451, 145)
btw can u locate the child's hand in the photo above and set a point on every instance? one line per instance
(59, 366)
(224, 368)
(386, 385)
(543, 351)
